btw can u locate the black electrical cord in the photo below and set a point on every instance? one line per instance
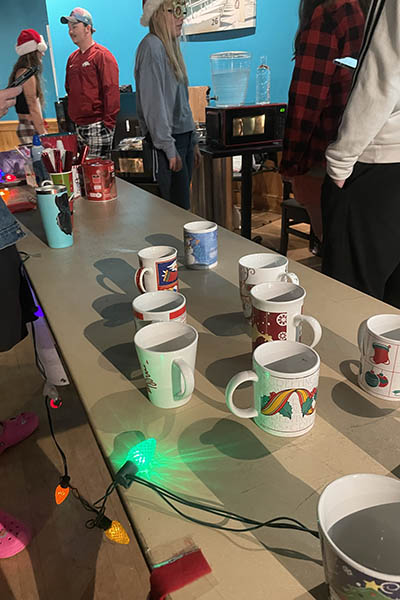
(169, 497)
(276, 522)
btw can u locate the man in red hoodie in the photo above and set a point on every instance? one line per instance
(92, 86)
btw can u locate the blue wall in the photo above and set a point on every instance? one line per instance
(18, 15)
(121, 32)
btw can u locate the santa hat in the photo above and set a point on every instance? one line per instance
(149, 8)
(28, 41)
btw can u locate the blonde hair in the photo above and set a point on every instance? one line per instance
(158, 26)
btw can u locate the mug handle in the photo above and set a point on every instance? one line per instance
(290, 277)
(47, 182)
(188, 379)
(361, 335)
(315, 326)
(139, 278)
(238, 379)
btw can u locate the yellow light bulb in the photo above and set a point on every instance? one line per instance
(116, 533)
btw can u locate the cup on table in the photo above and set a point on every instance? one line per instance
(201, 244)
(56, 215)
(167, 356)
(159, 306)
(379, 344)
(158, 269)
(357, 519)
(285, 382)
(261, 268)
(63, 179)
(277, 313)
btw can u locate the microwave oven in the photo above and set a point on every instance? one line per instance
(245, 125)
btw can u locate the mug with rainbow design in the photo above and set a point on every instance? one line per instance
(285, 376)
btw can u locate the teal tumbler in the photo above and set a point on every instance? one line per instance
(56, 215)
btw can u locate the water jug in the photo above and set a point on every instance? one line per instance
(230, 77)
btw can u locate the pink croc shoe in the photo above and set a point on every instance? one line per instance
(14, 535)
(16, 429)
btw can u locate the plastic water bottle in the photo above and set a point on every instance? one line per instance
(263, 82)
(38, 167)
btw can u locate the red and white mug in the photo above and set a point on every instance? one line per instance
(278, 313)
(153, 307)
(158, 269)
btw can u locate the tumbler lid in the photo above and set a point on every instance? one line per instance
(51, 189)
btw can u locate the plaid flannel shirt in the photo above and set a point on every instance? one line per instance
(319, 88)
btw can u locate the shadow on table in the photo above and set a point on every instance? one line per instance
(365, 420)
(246, 478)
(113, 334)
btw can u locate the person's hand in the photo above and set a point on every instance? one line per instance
(175, 164)
(197, 156)
(339, 182)
(7, 99)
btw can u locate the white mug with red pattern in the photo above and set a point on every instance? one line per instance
(379, 343)
(159, 306)
(158, 269)
(260, 268)
(277, 313)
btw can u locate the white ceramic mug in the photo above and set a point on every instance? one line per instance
(277, 313)
(285, 376)
(201, 244)
(345, 576)
(159, 306)
(260, 268)
(158, 269)
(379, 343)
(167, 356)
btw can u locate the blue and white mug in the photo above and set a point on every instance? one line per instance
(201, 244)
(56, 215)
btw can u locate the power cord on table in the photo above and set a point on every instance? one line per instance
(128, 475)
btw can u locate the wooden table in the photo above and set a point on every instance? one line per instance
(203, 450)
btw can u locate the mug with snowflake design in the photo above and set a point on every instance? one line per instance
(277, 313)
(285, 383)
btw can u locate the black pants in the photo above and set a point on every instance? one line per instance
(361, 230)
(175, 187)
(16, 302)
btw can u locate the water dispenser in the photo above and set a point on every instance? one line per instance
(230, 73)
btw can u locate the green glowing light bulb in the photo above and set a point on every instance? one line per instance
(142, 454)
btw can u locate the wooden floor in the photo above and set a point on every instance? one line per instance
(267, 225)
(65, 560)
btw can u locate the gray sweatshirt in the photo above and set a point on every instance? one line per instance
(162, 101)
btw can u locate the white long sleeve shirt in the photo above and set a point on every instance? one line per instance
(370, 127)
